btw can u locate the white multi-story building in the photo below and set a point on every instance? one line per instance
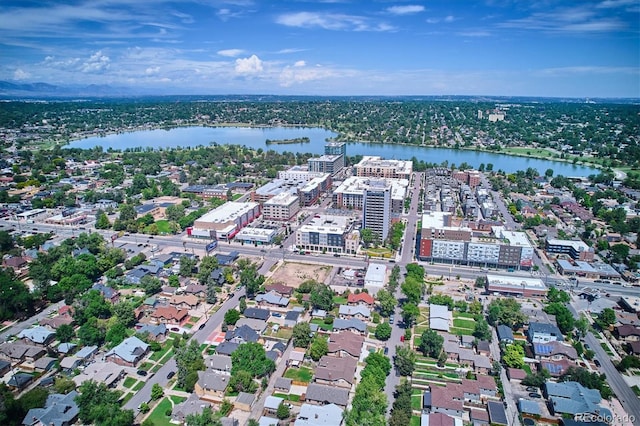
(225, 221)
(371, 166)
(325, 234)
(283, 206)
(350, 193)
(331, 164)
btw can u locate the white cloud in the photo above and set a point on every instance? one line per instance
(331, 21)
(588, 69)
(290, 50)
(250, 65)
(152, 70)
(405, 10)
(20, 74)
(300, 64)
(98, 62)
(232, 53)
(301, 74)
(449, 18)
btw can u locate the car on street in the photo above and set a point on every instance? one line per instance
(171, 374)
(202, 326)
(386, 350)
(587, 347)
(391, 319)
(142, 373)
(596, 362)
(532, 389)
(535, 395)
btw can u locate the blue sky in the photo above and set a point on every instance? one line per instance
(492, 47)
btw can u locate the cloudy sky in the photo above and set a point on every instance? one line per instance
(570, 48)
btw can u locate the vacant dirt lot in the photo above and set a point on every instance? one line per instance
(292, 274)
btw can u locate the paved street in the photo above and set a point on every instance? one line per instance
(18, 327)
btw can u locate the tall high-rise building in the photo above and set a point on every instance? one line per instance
(335, 148)
(376, 209)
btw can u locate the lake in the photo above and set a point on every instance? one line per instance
(255, 137)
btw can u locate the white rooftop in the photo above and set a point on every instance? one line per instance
(515, 281)
(229, 211)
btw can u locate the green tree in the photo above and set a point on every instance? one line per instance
(431, 343)
(588, 379)
(413, 290)
(537, 379)
(442, 299)
(156, 391)
(383, 331)
(559, 296)
(319, 348)
(65, 333)
(506, 311)
(189, 361)
(322, 297)
(366, 236)
(513, 356)
(251, 357)
(606, 318)
(283, 412)
(99, 405)
(15, 298)
(386, 302)
(405, 360)
(187, 265)
(63, 385)
(34, 398)
(410, 313)
(302, 335)
(481, 330)
(401, 411)
(116, 334)
(231, 317)
(582, 325)
(102, 221)
(242, 381)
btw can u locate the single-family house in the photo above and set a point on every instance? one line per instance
(226, 348)
(198, 290)
(445, 399)
(169, 315)
(555, 351)
(110, 294)
(361, 312)
(324, 395)
(259, 326)
(217, 277)
(66, 348)
(155, 332)
(497, 413)
(281, 289)
(296, 357)
(87, 353)
(56, 321)
(59, 410)
(336, 371)
(218, 363)
(5, 367)
(360, 299)
(353, 324)
(439, 419)
(18, 352)
(291, 318)
(271, 404)
(184, 301)
(572, 398)
(211, 385)
(543, 333)
(271, 299)
(440, 318)
(19, 381)
(257, 313)
(556, 368)
(227, 259)
(282, 385)
(505, 334)
(39, 336)
(244, 401)
(242, 334)
(70, 363)
(135, 275)
(128, 353)
(345, 344)
(193, 405)
(320, 415)
(44, 364)
(627, 333)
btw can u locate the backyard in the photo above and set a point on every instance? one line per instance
(301, 374)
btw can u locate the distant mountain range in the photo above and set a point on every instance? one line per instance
(38, 90)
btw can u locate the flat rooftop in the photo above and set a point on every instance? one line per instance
(515, 281)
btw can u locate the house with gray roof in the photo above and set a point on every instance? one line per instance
(109, 293)
(87, 352)
(291, 318)
(128, 353)
(323, 395)
(18, 352)
(271, 404)
(218, 363)
(242, 334)
(244, 401)
(135, 275)
(505, 334)
(193, 405)
(440, 318)
(66, 348)
(255, 324)
(211, 385)
(272, 298)
(319, 415)
(497, 413)
(44, 364)
(226, 348)
(40, 336)
(59, 410)
(282, 384)
(353, 324)
(20, 381)
(257, 313)
(573, 398)
(539, 332)
(361, 312)
(154, 332)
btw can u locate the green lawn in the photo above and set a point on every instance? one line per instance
(166, 358)
(284, 333)
(321, 324)
(163, 227)
(302, 374)
(457, 314)
(635, 389)
(416, 402)
(606, 348)
(177, 399)
(464, 323)
(461, 331)
(339, 300)
(127, 397)
(415, 421)
(536, 152)
(145, 366)
(158, 416)
(527, 368)
(128, 382)
(288, 397)
(138, 386)
(157, 355)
